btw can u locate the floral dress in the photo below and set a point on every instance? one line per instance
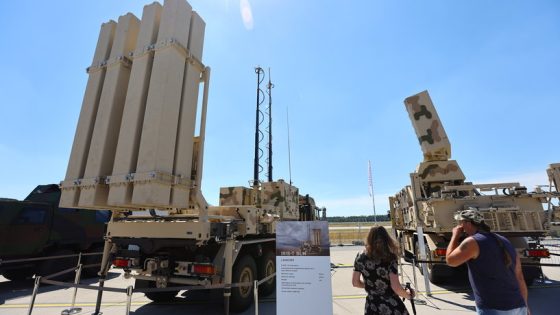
(381, 299)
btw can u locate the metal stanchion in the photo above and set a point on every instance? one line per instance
(400, 260)
(256, 296)
(416, 299)
(228, 259)
(72, 309)
(414, 271)
(128, 298)
(104, 269)
(402, 272)
(34, 295)
(227, 295)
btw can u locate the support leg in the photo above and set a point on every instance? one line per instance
(105, 264)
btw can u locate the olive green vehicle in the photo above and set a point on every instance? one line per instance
(422, 212)
(36, 227)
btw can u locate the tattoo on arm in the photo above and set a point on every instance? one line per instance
(463, 246)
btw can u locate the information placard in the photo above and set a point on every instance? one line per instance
(303, 277)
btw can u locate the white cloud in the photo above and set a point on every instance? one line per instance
(246, 14)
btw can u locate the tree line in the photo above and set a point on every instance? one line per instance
(359, 218)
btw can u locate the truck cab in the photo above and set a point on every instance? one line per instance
(37, 227)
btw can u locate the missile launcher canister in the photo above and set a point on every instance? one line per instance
(439, 189)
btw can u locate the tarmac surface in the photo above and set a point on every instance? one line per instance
(454, 298)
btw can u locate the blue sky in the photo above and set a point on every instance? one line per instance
(341, 69)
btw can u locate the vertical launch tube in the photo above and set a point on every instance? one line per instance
(84, 130)
(103, 144)
(153, 178)
(187, 118)
(126, 156)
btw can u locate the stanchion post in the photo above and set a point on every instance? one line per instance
(128, 299)
(414, 272)
(228, 262)
(402, 272)
(400, 260)
(35, 289)
(99, 296)
(256, 296)
(75, 310)
(105, 264)
(416, 299)
(423, 257)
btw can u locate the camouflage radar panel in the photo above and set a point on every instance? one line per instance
(428, 127)
(236, 196)
(440, 171)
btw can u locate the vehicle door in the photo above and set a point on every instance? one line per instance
(29, 230)
(8, 210)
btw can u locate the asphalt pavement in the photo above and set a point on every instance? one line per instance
(453, 298)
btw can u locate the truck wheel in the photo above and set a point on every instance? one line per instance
(244, 270)
(434, 274)
(266, 267)
(17, 274)
(51, 266)
(433, 270)
(531, 273)
(158, 297)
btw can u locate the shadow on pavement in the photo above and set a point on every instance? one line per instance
(209, 302)
(15, 289)
(468, 307)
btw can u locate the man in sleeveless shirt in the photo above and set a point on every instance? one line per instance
(494, 267)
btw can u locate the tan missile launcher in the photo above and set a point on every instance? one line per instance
(137, 152)
(438, 190)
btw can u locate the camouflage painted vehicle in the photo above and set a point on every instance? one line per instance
(138, 151)
(439, 188)
(37, 227)
(244, 223)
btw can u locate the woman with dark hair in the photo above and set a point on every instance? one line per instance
(375, 269)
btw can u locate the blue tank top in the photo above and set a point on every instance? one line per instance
(494, 285)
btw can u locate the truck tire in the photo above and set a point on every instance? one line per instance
(17, 274)
(244, 270)
(435, 273)
(434, 270)
(266, 267)
(531, 273)
(51, 266)
(158, 297)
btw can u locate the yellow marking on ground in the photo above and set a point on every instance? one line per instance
(335, 297)
(68, 304)
(109, 304)
(434, 292)
(348, 297)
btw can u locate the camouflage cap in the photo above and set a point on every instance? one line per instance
(470, 214)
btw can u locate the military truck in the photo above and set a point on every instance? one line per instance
(37, 227)
(236, 244)
(422, 212)
(137, 151)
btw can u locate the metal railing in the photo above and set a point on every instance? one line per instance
(128, 290)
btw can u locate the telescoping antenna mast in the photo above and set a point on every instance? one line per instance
(259, 134)
(257, 168)
(269, 87)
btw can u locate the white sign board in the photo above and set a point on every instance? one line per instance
(303, 275)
